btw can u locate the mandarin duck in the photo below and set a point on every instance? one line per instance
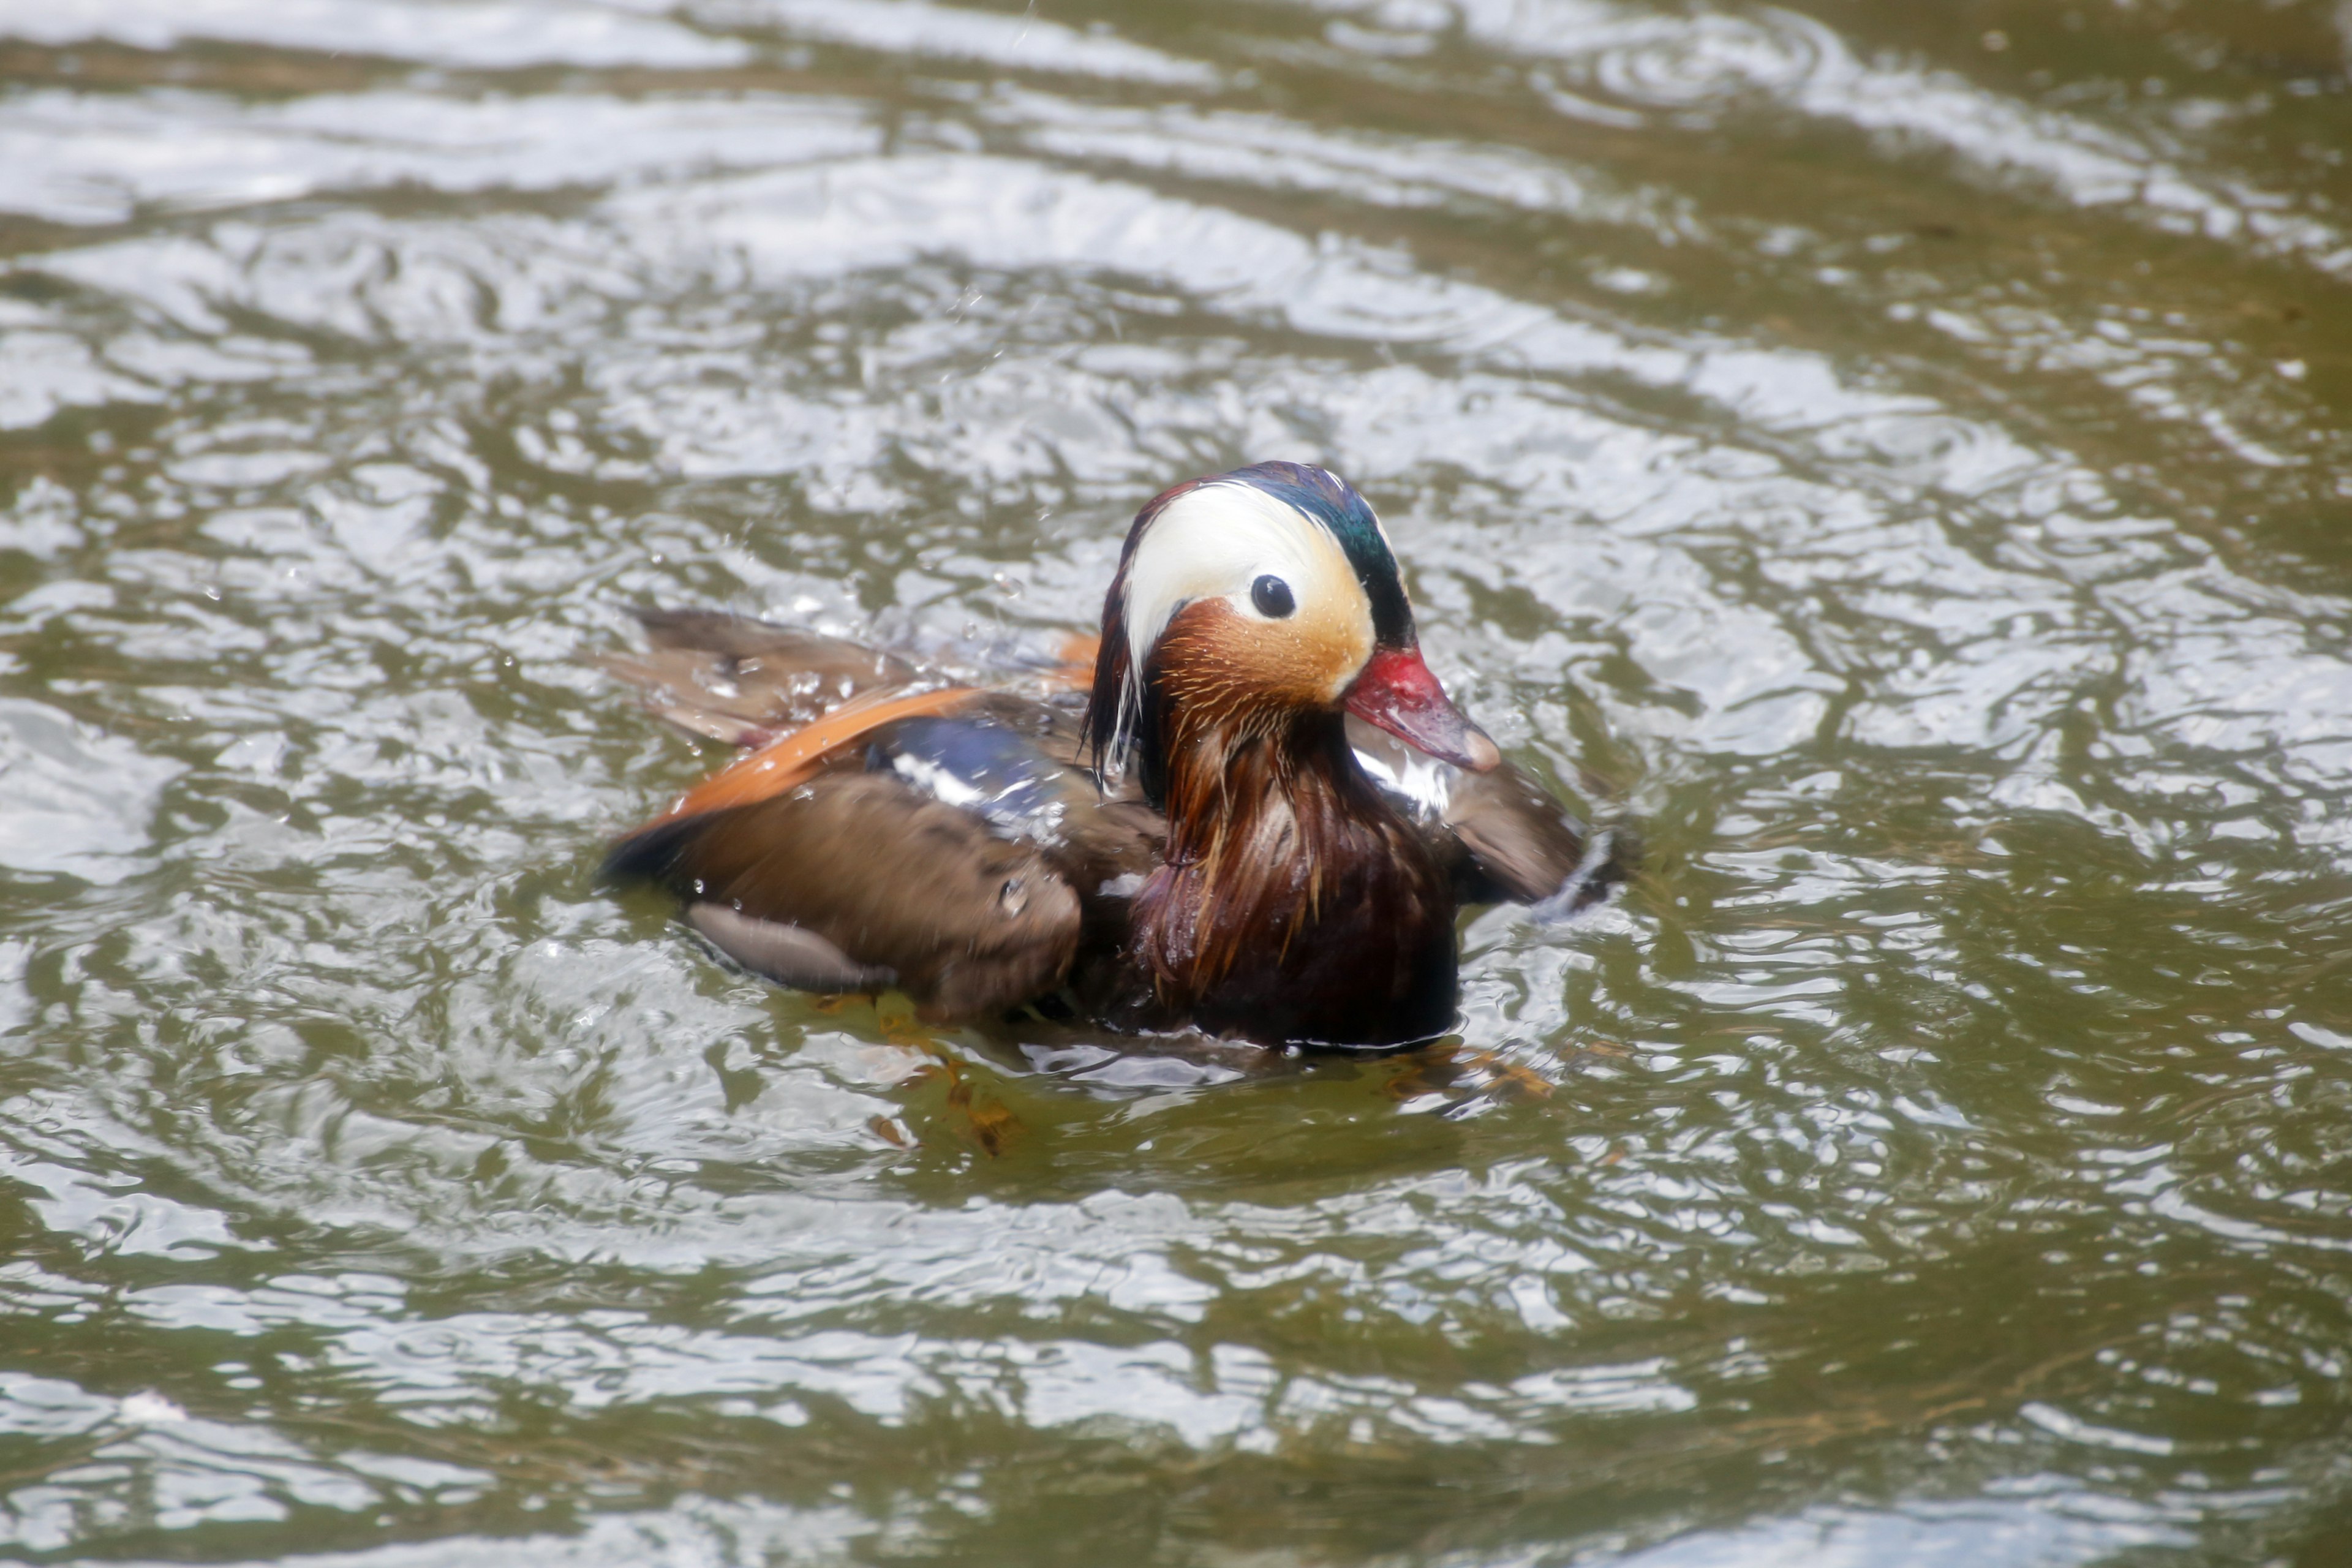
(1251, 811)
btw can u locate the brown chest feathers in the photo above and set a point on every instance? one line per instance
(1295, 906)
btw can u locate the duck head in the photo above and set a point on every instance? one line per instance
(1246, 601)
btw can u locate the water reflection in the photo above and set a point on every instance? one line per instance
(1899, 470)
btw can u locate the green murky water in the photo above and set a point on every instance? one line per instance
(1894, 455)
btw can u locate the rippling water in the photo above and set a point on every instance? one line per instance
(1895, 455)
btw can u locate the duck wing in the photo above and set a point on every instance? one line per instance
(950, 853)
(859, 881)
(1506, 837)
(734, 678)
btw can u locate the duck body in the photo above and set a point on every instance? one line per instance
(1257, 816)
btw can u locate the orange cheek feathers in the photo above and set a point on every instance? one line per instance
(1215, 657)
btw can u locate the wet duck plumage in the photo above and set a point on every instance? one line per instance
(1257, 814)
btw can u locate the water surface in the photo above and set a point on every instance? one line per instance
(1894, 456)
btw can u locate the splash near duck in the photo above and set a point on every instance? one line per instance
(1258, 817)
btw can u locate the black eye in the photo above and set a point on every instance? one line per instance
(1272, 597)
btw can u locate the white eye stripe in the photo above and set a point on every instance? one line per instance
(1214, 542)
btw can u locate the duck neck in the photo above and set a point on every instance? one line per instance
(1296, 903)
(1246, 802)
